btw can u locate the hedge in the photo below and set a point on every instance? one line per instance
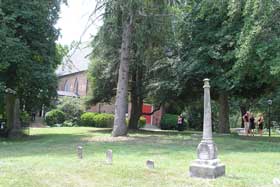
(104, 120)
(87, 119)
(97, 120)
(169, 122)
(54, 117)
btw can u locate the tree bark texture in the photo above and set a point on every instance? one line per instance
(13, 116)
(136, 99)
(243, 110)
(9, 106)
(223, 114)
(120, 128)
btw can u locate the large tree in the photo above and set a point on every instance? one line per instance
(28, 51)
(234, 43)
(147, 44)
(211, 31)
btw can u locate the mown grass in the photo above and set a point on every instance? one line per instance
(48, 158)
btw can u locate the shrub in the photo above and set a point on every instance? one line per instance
(97, 120)
(104, 120)
(24, 118)
(87, 119)
(141, 122)
(68, 124)
(72, 107)
(54, 117)
(169, 122)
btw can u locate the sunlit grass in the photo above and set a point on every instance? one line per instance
(48, 158)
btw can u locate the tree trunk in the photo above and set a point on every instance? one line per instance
(136, 99)
(136, 109)
(223, 114)
(9, 107)
(13, 116)
(120, 128)
(243, 110)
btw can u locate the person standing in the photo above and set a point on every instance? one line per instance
(180, 123)
(33, 115)
(246, 118)
(252, 124)
(260, 124)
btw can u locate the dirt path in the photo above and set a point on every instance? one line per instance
(38, 123)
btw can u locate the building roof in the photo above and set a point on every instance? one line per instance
(68, 94)
(75, 61)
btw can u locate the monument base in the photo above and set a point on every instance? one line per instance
(208, 169)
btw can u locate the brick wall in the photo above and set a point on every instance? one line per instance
(157, 117)
(80, 77)
(103, 108)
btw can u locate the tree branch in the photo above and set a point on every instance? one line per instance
(151, 113)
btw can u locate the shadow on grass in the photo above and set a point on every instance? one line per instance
(146, 142)
(43, 144)
(146, 132)
(260, 138)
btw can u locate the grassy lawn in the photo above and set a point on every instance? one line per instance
(48, 158)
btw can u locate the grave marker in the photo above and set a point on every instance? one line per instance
(109, 156)
(207, 165)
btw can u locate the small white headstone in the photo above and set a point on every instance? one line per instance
(109, 156)
(150, 164)
(80, 151)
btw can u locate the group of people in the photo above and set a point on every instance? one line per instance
(250, 123)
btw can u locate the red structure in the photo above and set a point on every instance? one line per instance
(153, 119)
(146, 108)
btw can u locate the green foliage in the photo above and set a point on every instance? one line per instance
(103, 120)
(87, 119)
(194, 115)
(54, 117)
(68, 123)
(102, 77)
(258, 53)
(141, 122)
(148, 43)
(25, 118)
(28, 50)
(72, 107)
(169, 122)
(97, 119)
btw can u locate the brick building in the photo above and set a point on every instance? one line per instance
(73, 82)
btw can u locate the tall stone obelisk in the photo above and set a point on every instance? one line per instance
(207, 165)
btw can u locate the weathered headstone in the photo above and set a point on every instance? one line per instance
(150, 164)
(80, 151)
(207, 165)
(109, 156)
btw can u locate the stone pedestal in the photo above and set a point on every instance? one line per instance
(207, 165)
(207, 169)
